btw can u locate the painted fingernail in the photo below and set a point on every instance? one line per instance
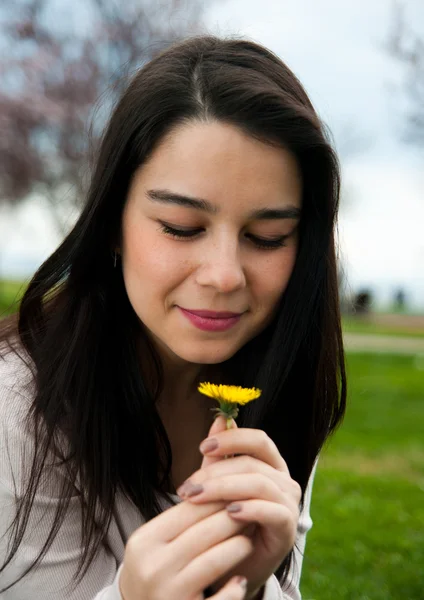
(181, 490)
(232, 508)
(209, 445)
(193, 489)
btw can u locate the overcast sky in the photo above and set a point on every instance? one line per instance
(335, 47)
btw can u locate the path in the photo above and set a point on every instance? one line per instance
(358, 342)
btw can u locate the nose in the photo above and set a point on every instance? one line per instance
(221, 268)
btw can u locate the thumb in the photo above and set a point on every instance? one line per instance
(219, 424)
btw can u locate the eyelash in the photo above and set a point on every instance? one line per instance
(191, 233)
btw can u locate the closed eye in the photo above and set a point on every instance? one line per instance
(262, 243)
(179, 233)
(268, 243)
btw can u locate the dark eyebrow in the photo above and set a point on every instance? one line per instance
(291, 212)
(188, 201)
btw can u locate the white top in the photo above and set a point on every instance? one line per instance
(50, 579)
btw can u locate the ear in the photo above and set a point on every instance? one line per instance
(219, 424)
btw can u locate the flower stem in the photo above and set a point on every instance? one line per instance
(229, 426)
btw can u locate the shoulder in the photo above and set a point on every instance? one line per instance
(21, 435)
(16, 395)
(16, 369)
(16, 381)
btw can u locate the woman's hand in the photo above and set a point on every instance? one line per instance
(182, 551)
(259, 482)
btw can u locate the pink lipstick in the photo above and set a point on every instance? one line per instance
(209, 320)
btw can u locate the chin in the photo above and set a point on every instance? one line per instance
(204, 356)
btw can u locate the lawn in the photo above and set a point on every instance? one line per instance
(10, 293)
(367, 542)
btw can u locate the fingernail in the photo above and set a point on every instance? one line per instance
(232, 508)
(181, 490)
(209, 445)
(193, 489)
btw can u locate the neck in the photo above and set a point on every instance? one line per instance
(180, 379)
(180, 383)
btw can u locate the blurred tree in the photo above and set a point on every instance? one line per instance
(57, 61)
(407, 46)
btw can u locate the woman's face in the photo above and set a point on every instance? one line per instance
(209, 239)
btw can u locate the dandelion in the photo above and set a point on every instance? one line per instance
(229, 397)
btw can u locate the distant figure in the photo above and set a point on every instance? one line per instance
(362, 302)
(400, 300)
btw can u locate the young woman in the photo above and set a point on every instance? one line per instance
(205, 252)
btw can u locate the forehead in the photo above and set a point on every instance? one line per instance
(216, 160)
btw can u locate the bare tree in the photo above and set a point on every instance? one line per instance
(62, 66)
(406, 45)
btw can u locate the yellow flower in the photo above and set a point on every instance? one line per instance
(229, 397)
(230, 394)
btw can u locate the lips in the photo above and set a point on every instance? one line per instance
(211, 314)
(211, 320)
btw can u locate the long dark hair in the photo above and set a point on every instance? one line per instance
(80, 333)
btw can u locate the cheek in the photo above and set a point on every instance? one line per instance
(149, 259)
(273, 276)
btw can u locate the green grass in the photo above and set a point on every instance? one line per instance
(367, 542)
(10, 293)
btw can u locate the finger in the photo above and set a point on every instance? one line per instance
(172, 522)
(199, 538)
(238, 487)
(215, 562)
(237, 465)
(243, 440)
(219, 424)
(278, 520)
(234, 589)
